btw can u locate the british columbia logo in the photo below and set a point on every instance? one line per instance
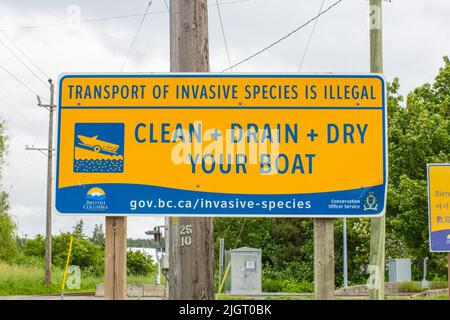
(370, 203)
(95, 200)
(99, 147)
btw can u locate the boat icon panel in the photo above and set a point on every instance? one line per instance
(99, 147)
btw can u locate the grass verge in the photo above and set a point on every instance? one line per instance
(28, 280)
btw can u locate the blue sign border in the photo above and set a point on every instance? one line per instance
(61, 196)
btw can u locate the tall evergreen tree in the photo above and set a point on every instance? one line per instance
(98, 236)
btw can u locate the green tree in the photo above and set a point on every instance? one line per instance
(78, 230)
(293, 248)
(35, 247)
(85, 254)
(419, 133)
(98, 236)
(139, 263)
(8, 245)
(239, 232)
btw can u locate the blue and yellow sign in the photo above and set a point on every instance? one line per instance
(439, 207)
(222, 144)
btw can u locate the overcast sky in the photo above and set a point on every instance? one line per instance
(416, 37)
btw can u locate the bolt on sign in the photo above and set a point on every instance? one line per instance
(222, 144)
(439, 206)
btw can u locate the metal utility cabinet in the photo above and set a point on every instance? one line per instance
(245, 272)
(399, 270)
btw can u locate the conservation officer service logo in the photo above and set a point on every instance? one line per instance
(370, 203)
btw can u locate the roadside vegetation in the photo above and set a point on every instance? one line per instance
(419, 133)
(27, 279)
(23, 272)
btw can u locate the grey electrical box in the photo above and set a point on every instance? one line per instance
(245, 272)
(164, 261)
(399, 270)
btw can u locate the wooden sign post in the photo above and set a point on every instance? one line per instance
(324, 258)
(116, 258)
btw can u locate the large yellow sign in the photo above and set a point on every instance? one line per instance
(439, 206)
(216, 144)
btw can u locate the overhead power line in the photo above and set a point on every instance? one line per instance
(223, 33)
(58, 24)
(167, 6)
(25, 55)
(23, 63)
(100, 19)
(240, 232)
(135, 36)
(310, 37)
(283, 37)
(19, 81)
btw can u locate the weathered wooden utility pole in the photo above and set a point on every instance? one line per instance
(49, 153)
(191, 254)
(324, 258)
(377, 225)
(48, 228)
(116, 258)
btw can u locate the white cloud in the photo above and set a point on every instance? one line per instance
(416, 35)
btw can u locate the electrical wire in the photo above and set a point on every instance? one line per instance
(23, 63)
(167, 7)
(18, 80)
(240, 232)
(310, 37)
(223, 34)
(26, 56)
(135, 36)
(283, 37)
(101, 19)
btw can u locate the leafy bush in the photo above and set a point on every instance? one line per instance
(411, 287)
(416, 286)
(89, 256)
(31, 261)
(438, 285)
(284, 281)
(34, 247)
(271, 285)
(139, 264)
(85, 254)
(286, 285)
